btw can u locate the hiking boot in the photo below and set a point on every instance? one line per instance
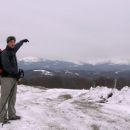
(15, 118)
(3, 120)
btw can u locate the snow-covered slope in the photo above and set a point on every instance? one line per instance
(63, 109)
(44, 72)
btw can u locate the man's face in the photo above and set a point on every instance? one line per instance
(12, 43)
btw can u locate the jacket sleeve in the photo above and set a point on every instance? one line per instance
(6, 63)
(17, 46)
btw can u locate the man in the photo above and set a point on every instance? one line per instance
(9, 79)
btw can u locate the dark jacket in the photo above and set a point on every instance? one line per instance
(9, 61)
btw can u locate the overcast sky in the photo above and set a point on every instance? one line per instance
(77, 30)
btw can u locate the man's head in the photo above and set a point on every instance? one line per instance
(11, 41)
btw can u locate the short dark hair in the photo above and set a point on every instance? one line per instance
(10, 38)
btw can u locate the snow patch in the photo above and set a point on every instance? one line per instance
(44, 72)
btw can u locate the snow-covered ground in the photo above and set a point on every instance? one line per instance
(63, 109)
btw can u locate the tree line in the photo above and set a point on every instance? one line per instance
(70, 82)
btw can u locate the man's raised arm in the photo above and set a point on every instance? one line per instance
(19, 44)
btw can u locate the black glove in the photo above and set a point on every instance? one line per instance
(18, 75)
(24, 40)
(21, 73)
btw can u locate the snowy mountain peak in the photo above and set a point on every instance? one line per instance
(79, 63)
(31, 59)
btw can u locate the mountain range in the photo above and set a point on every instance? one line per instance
(31, 63)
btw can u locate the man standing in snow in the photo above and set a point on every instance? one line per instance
(9, 79)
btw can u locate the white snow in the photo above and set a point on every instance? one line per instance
(45, 72)
(96, 94)
(64, 109)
